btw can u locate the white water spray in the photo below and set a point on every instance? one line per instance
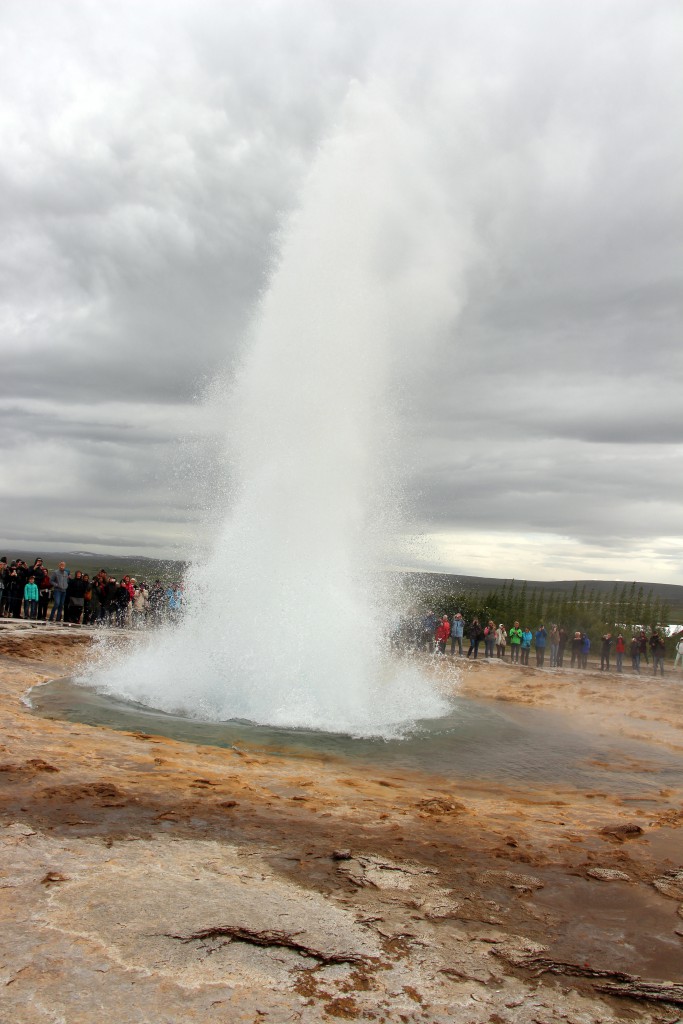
(284, 623)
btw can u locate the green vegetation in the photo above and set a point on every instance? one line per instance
(621, 609)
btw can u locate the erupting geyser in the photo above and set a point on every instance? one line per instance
(284, 622)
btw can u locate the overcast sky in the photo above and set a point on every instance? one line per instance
(151, 155)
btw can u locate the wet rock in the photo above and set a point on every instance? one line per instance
(440, 805)
(341, 855)
(54, 878)
(30, 767)
(202, 915)
(102, 794)
(670, 884)
(439, 904)
(381, 873)
(511, 880)
(420, 884)
(518, 950)
(625, 830)
(617, 983)
(38, 765)
(608, 875)
(17, 830)
(377, 873)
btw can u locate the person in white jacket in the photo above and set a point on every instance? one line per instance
(140, 607)
(679, 654)
(501, 641)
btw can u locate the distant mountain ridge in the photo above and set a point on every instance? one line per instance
(486, 583)
(434, 584)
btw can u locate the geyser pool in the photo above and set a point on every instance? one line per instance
(513, 747)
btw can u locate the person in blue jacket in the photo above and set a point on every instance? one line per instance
(31, 596)
(585, 648)
(427, 632)
(527, 637)
(457, 632)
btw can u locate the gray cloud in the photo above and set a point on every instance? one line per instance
(150, 156)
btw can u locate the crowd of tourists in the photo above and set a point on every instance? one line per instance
(435, 634)
(61, 596)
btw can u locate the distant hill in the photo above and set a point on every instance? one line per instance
(431, 584)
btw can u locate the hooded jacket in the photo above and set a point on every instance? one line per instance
(59, 578)
(458, 627)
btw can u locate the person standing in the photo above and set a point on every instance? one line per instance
(554, 645)
(576, 650)
(585, 648)
(98, 586)
(428, 624)
(22, 574)
(658, 648)
(443, 631)
(109, 592)
(122, 603)
(140, 607)
(489, 638)
(14, 592)
(59, 581)
(475, 634)
(44, 591)
(525, 646)
(501, 641)
(31, 596)
(635, 654)
(562, 644)
(541, 639)
(515, 642)
(457, 633)
(87, 599)
(605, 649)
(75, 598)
(619, 649)
(37, 570)
(679, 654)
(643, 646)
(175, 604)
(156, 602)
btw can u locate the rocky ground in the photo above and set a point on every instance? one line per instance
(144, 881)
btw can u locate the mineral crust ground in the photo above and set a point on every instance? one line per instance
(146, 881)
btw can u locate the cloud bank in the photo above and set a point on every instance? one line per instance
(151, 157)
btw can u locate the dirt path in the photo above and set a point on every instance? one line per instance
(144, 880)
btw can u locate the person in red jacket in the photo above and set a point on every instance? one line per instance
(443, 631)
(619, 650)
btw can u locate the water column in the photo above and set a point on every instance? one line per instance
(285, 623)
